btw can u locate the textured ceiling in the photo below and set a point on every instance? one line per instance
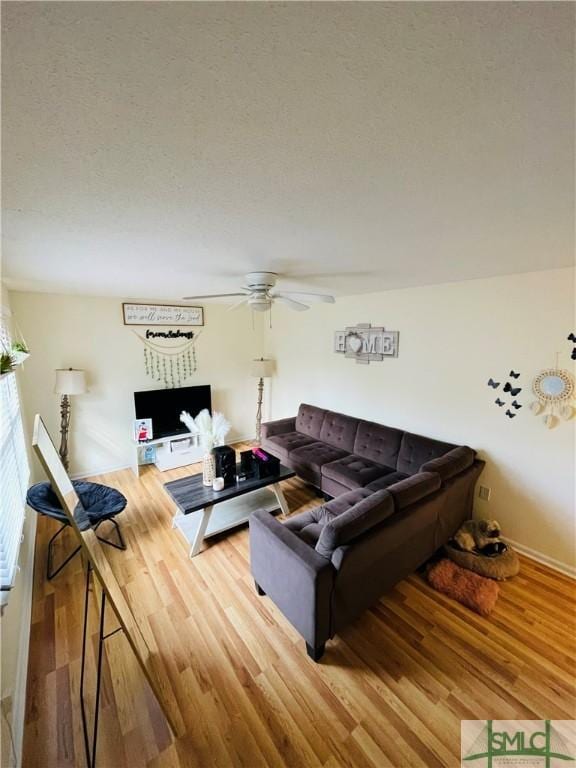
(160, 149)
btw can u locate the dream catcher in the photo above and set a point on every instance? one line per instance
(171, 364)
(554, 389)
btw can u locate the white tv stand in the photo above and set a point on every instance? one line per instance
(171, 452)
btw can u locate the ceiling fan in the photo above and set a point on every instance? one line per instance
(259, 295)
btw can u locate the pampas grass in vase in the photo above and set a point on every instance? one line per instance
(212, 431)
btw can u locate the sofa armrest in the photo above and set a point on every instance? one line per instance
(295, 577)
(279, 427)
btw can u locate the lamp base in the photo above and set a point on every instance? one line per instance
(64, 429)
(259, 412)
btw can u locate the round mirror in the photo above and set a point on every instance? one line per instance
(553, 385)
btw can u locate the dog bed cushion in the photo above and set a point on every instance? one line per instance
(468, 588)
(499, 567)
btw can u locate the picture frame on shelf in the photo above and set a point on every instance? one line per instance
(142, 430)
(148, 454)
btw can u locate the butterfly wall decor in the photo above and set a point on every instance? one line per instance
(513, 390)
(510, 390)
(572, 338)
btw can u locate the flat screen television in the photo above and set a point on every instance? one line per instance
(164, 407)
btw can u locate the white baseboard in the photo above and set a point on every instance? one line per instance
(101, 471)
(119, 468)
(551, 562)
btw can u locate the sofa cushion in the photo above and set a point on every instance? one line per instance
(309, 420)
(347, 526)
(415, 450)
(305, 526)
(386, 481)
(414, 488)
(281, 445)
(339, 431)
(339, 505)
(451, 463)
(325, 512)
(309, 533)
(332, 488)
(354, 471)
(378, 443)
(307, 460)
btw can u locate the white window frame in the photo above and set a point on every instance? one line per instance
(14, 470)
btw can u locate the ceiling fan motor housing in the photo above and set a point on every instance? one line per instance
(261, 280)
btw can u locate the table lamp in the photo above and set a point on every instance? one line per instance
(69, 381)
(261, 369)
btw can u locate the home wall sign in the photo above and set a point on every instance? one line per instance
(162, 314)
(365, 343)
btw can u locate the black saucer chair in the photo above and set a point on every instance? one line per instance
(100, 502)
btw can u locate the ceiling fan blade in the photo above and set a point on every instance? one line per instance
(211, 296)
(297, 305)
(323, 297)
(237, 304)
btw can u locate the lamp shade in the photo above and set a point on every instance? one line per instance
(70, 382)
(262, 369)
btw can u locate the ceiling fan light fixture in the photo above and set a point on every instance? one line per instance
(259, 304)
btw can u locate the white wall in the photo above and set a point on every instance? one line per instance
(88, 333)
(453, 337)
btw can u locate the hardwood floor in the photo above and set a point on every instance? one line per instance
(390, 691)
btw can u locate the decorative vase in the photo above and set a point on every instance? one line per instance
(19, 357)
(208, 468)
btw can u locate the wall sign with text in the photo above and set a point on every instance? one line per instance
(162, 314)
(364, 343)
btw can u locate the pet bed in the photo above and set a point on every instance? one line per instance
(475, 592)
(499, 567)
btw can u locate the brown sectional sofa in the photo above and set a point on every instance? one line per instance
(338, 453)
(398, 497)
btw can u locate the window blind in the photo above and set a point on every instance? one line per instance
(14, 473)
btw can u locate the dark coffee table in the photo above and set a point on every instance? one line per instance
(203, 512)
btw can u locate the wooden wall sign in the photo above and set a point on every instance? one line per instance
(364, 343)
(162, 314)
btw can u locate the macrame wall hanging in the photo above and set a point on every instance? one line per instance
(554, 390)
(172, 361)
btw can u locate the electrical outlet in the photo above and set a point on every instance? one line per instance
(484, 493)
